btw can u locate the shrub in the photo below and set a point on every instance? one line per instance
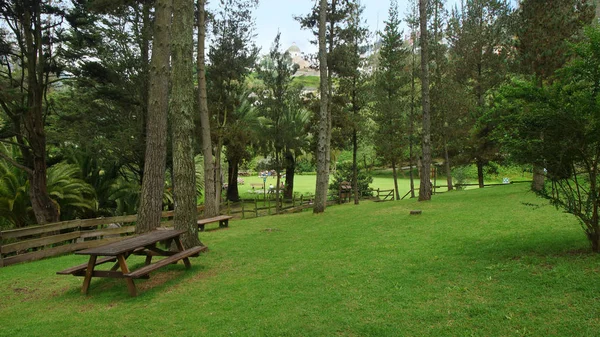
(344, 173)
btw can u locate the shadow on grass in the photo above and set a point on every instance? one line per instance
(163, 280)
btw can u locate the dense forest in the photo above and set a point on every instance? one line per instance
(112, 107)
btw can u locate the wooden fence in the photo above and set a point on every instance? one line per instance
(267, 205)
(38, 242)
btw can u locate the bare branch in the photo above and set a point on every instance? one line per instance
(15, 164)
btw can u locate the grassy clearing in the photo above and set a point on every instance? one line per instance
(492, 262)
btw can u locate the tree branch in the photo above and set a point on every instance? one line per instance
(15, 164)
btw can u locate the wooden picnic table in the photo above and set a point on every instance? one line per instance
(118, 252)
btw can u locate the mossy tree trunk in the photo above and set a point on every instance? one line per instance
(324, 120)
(153, 181)
(182, 121)
(211, 206)
(425, 185)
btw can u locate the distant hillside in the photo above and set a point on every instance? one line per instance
(307, 81)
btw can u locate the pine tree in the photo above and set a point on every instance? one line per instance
(211, 202)
(391, 80)
(324, 117)
(479, 46)
(182, 121)
(425, 183)
(545, 29)
(156, 133)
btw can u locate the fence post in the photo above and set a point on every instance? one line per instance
(1, 257)
(269, 207)
(301, 201)
(242, 209)
(256, 206)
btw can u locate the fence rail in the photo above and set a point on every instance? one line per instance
(38, 242)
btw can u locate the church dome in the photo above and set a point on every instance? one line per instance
(293, 49)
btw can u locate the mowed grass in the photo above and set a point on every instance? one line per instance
(491, 262)
(305, 184)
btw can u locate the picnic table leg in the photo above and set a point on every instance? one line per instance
(89, 271)
(186, 260)
(125, 270)
(224, 223)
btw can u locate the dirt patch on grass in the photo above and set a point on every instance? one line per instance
(157, 279)
(25, 294)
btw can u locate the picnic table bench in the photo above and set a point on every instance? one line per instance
(222, 219)
(118, 252)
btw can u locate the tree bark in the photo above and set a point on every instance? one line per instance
(153, 181)
(290, 171)
(211, 206)
(480, 173)
(538, 178)
(355, 166)
(322, 148)
(44, 208)
(425, 184)
(411, 132)
(182, 122)
(447, 164)
(395, 174)
(232, 186)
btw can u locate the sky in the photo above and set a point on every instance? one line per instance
(278, 15)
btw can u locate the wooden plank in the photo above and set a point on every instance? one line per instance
(132, 242)
(107, 231)
(106, 221)
(47, 240)
(41, 229)
(35, 230)
(166, 261)
(84, 266)
(125, 270)
(97, 243)
(214, 219)
(89, 271)
(40, 254)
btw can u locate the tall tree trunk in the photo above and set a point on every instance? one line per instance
(425, 184)
(447, 164)
(277, 191)
(395, 174)
(44, 208)
(218, 175)
(355, 166)
(480, 173)
(290, 171)
(324, 120)
(233, 193)
(153, 181)
(145, 56)
(182, 93)
(211, 206)
(411, 118)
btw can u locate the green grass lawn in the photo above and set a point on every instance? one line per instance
(305, 184)
(491, 262)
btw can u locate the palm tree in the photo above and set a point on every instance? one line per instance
(15, 206)
(241, 132)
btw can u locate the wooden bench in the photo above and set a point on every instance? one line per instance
(144, 271)
(222, 219)
(80, 269)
